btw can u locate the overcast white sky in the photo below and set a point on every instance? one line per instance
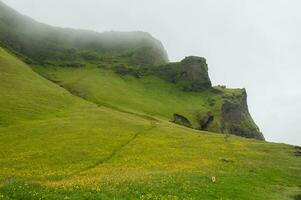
(254, 44)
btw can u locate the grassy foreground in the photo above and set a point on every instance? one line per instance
(54, 145)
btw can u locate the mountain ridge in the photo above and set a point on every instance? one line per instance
(43, 43)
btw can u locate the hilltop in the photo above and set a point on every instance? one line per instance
(86, 115)
(41, 43)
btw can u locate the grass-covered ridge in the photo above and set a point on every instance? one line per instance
(41, 43)
(63, 147)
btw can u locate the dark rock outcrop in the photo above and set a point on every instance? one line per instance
(206, 120)
(233, 117)
(122, 70)
(236, 119)
(181, 120)
(74, 65)
(191, 73)
(298, 151)
(195, 73)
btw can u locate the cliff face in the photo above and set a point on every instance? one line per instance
(236, 119)
(195, 73)
(231, 116)
(191, 73)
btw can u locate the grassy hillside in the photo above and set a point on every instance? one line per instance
(25, 95)
(87, 54)
(149, 94)
(57, 146)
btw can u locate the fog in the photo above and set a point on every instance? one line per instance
(252, 44)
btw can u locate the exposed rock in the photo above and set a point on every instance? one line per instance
(233, 118)
(204, 122)
(136, 73)
(179, 119)
(236, 119)
(191, 73)
(195, 73)
(75, 65)
(298, 151)
(122, 70)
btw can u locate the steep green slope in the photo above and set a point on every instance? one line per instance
(44, 129)
(59, 146)
(148, 95)
(25, 95)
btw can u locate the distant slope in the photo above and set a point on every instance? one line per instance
(42, 43)
(57, 146)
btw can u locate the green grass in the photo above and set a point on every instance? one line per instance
(25, 95)
(54, 145)
(149, 94)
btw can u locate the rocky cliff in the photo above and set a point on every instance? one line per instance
(236, 119)
(230, 116)
(191, 73)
